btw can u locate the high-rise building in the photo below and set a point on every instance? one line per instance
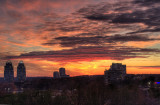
(62, 72)
(8, 72)
(21, 72)
(56, 74)
(116, 72)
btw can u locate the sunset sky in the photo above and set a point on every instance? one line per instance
(84, 36)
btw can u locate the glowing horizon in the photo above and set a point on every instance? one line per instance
(83, 36)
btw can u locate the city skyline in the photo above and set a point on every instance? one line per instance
(21, 68)
(83, 36)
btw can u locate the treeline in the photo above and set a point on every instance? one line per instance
(83, 91)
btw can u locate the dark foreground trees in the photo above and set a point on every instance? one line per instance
(83, 92)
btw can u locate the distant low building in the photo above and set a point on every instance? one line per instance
(8, 72)
(117, 72)
(56, 74)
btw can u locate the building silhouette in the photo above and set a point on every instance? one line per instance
(8, 72)
(60, 74)
(117, 72)
(56, 74)
(21, 72)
